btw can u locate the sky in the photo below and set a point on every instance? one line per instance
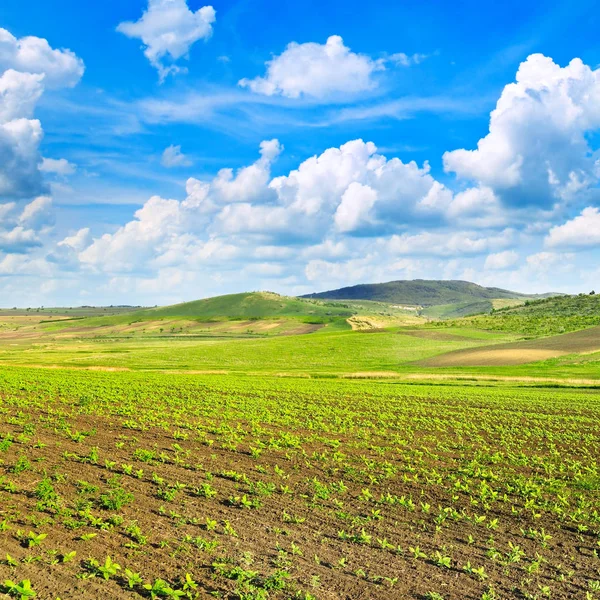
(159, 151)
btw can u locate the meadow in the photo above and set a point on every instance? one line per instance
(326, 451)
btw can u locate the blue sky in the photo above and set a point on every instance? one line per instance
(160, 151)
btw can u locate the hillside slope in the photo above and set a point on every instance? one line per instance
(420, 292)
(246, 306)
(543, 317)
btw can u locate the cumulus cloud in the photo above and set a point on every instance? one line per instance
(77, 241)
(20, 231)
(248, 183)
(19, 158)
(60, 166)
(131, 245)
(18, 240)
(355, 207)
(27, 66)
(316, 70)
(317, 186)
(477, 207)
(174, 157)
(37, 213)
(537, 150)
(347, 191)
(168, 29)
(19, 94)
(501, 260)
(581, 232)
(58, 68)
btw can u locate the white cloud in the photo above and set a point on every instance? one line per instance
(134, 243)
(19, 94)
(317, 186)
(477, 207)
(22, 264)
(458, 243)
(355, 207)
(168, 29)
(37, 213)
(536, 151)
(581, 232)
(249, 183)
(407, 60)
(501, 260)
(316, 70)
(77, 241)
(27, 66)
(18, 240)
(250, 218)
(19, 158)
(173, 157)
(60, 166)
(344, 191)
(59, 68)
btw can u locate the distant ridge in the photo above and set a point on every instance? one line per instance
(423, 292)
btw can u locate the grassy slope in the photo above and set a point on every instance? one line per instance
(420, 292)
(256, 305)
(249, 305)
(544, 317)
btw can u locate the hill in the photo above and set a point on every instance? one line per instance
(233, 314)
(251, 305)
(421, 292)
(542, 317)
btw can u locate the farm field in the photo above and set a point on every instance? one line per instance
(258, 447)
(128, 485)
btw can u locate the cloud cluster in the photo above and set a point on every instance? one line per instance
(317, 71)
(168, 29)
(20, 230)
(581, 232)
(347, 192)
(59, 68)
(537, 151)
(27, 67)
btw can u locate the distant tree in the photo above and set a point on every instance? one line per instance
(592, 293)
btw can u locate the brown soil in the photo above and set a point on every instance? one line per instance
(518, 353)
(263, 538)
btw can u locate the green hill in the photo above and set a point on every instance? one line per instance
(251, 305)
(246, 306)
(420, 292)
(542, 317)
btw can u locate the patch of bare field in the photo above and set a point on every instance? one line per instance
(341, 516)
(518, 353)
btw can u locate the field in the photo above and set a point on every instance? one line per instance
(254, 447)
(296, 488)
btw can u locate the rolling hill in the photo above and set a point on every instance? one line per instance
(233, 314)
(439, 299)
(542, 317)
(251, 305)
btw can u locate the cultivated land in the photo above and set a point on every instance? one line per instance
(256, 446)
